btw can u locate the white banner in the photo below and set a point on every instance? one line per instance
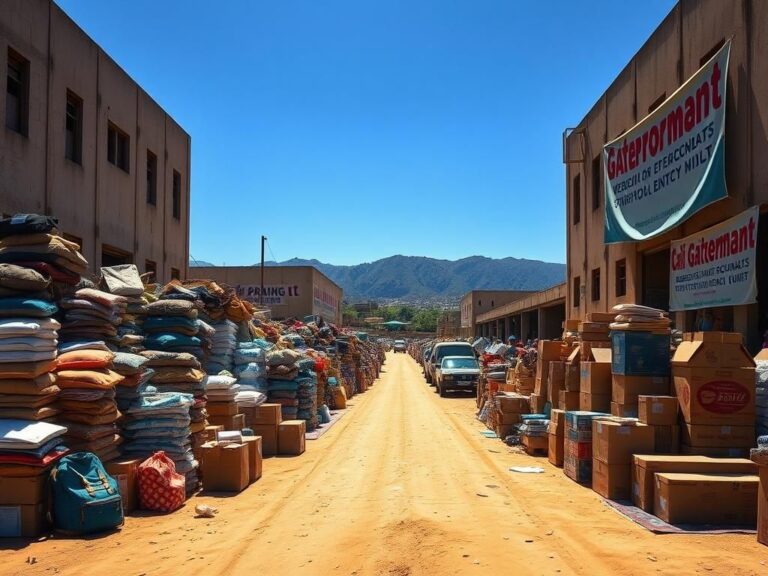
(672, 163)
(716, 267)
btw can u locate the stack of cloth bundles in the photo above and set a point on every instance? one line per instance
(92, 315)
(251, 365)
(133, 369)
(634, 317)
(172, 326)
(160, 421)
(222, 390)
(223, 347)
(87, 401)
(282, 374)
(306, 393)
(124, 280)
(28, 349)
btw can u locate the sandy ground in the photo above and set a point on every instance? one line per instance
(403, 485)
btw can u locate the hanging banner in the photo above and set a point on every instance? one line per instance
(671, 164)
(715, 267)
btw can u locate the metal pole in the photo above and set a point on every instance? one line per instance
(261, 290)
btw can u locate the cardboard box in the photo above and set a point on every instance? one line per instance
(24, 489)
(578, 425)
(556, 450)
(222, 408)
(718, 436)
(556, 381)
(605, 317)
(211, 431)
(263, 414)
(513, 403)
(612, 481)
(125, 472)
(640, 353)
(573, 377)
(537, 403)
(624, 410)
(594, 402)
(628, 389)
(617, 443)
(236, 422)
(762, 507)
(569, 401)
(714, 452)
(254, 457)
(291, 437)
(730, 498)
(657, 410)
(508, 418)
(225, 467)
(535, 443)
(596, 375)
(716, 395)
(577, 450)
(712, 350)
(557, 422)
(550, 350)
(666, 439)
(578, 470)
(268, 433)
(23, 520)
(645, 466)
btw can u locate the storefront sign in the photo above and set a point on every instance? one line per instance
(671, 164)
(715, 267)
(273, 295)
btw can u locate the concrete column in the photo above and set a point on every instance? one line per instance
(524, 327)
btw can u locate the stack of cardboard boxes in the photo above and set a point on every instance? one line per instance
(714, 379)
(291, 437)
(660, 412)
(549, 351)
(556, 440)
(594, 332)
(595, 381)
(520, 379)
(265, 421)
(570, 397)
(231, 464)
(639, 366)
(577, 452)
(614, 442)
(507, 413)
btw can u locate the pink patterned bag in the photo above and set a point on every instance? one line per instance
(160, 488)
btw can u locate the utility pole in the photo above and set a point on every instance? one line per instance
(261, 290)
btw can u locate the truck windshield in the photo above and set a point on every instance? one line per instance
(459, 363)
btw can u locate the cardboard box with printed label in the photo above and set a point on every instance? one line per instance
(291, 437)
(268, 433)
(628, 389)
(596, 375)
(125, 472)
(617, 443)
(640, 353)
(646, 465)
(254, 457)
(730, 498)
(612, 481)
(226, 467)
(657, 410)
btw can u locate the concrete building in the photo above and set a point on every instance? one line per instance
(83, 142)
(538, 315)
(289, 291)
(601, 275)
(477, 302)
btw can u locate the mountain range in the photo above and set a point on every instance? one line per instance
(417, 278)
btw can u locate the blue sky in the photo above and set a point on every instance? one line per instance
(349, 130)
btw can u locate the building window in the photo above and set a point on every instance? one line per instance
(111, 256)
(595, 285)
(576, 205)
(175, 274)
(479, 303)
(151, 178)
(17, 93)
(150, 267)
(492, 304)
(73, 143)
(658, 102)
(176, 195)
(621, 277)
(576, 289)
(118, 144)
(596, 177)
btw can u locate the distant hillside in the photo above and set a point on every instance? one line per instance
(413, 278)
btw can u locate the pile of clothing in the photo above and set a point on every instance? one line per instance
(282, 374)
(92, 315)
(87, 399)
(133, 369)
(250, 361)
(172, 326)
(222, 390)
(223, 347)
(160, 421)
(306, 394)
(125, 281)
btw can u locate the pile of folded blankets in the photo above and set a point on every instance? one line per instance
(223, 347)
(222, 390)
(92, 315)
(282, 375)
(87, 399)
(251, 365)
(124, 280)
(160, 421)
(133, 368)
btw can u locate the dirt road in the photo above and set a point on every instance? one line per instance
(403, 485)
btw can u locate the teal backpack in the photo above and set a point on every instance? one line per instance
(84, 498)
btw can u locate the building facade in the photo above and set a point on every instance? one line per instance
(83, 142)
(478, 302)
(538, 315)
(289, 291)
(602, 275)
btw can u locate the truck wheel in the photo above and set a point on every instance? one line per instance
(441, 390)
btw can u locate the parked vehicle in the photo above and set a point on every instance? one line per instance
(400, 346)
(443, 349)
(457, 373)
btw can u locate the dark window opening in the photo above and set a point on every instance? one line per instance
(17, 93)
(176, 195)
(595, 285)
(712, 52)
(151, 178)
(658, 102)
(118, 144)
(596, 179)
(150, 267)
(111, 256)
(576, 288)
(73, 142)
(491, 303)
(479, 302)
(576, 205)
(621, 277)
